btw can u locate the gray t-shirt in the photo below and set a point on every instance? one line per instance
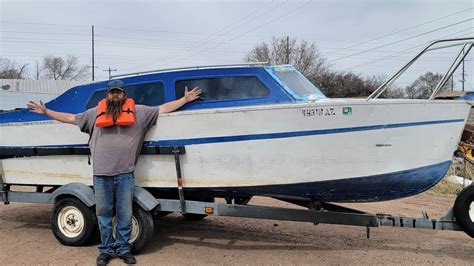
(115, 149)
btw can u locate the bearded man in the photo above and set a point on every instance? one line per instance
(115, 150)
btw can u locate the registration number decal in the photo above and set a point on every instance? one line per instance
(327, 111)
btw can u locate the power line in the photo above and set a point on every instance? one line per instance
(402, 40)
(110, 44)
(399, 31)
(405, 50)
(119, 44)
(48, 33)
(225, 29)
(45, 24)
(39, 39)
(133, 44)
(135, 38)
(55, 42)
(417, 47)
(253, 29)
(168, 40)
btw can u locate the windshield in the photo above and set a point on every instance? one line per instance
(295, 83)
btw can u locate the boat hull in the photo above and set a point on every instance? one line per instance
(338, 150)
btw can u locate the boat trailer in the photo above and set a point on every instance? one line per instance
(148, 206)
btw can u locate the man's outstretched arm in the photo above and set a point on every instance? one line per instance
(42, 110)
(189, 96)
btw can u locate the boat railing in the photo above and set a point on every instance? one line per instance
(466, 43)
(252, 64)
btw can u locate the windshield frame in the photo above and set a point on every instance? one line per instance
(272, 70)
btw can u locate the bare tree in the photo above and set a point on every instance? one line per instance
(9, 69)
(308, 60)
(392, 92)
(63, 68)
(424, 86)
(341, 85)
(304, 56)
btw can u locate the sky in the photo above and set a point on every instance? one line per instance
(366, 37)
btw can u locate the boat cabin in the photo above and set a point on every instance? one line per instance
(227, 86)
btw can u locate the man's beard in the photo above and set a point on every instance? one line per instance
(114, 108)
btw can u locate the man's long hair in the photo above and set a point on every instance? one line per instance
(114, 108)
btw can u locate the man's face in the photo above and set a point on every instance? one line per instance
(115, 95)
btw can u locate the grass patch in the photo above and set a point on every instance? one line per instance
(446, 188)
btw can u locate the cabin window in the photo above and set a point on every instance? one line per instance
(151, 94)
(225, 88)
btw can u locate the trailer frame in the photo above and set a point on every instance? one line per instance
(315, 212)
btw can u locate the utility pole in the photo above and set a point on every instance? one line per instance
(93, 68)
(287, 50)
(463, 79)
(452, 82)
(110, 71)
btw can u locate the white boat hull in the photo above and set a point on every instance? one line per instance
(273, 150)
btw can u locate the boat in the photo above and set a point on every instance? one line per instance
(257, 130)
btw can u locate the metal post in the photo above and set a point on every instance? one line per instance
(179, 179)
(451, 69)
(4, 191)
(463, 73)
(93, 68)
(452, 82)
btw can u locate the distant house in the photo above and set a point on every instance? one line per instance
(15, 93)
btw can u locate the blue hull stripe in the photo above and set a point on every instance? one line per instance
(184, 142)
(381, 187)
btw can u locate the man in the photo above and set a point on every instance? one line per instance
(115, 150)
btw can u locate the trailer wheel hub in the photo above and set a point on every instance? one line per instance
(71, 221)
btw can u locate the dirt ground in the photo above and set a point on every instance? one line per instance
(26, 238)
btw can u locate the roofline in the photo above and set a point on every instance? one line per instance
(253, 64)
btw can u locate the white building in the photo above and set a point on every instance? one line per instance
(15, 93)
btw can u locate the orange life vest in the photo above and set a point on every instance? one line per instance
(126, 118)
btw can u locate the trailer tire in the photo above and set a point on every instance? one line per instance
(142, 228)
(464, 210)
(72, 222)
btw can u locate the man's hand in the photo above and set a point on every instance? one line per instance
(192, 95)
(42, 110)
(189, 96)
(37, 108)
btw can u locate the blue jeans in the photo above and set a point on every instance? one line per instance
(114, 197)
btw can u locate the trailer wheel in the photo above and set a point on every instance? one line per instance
(464, 210)
(72, 222)
(142, 228)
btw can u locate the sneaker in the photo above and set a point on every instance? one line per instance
(103, 259)
(128, 258)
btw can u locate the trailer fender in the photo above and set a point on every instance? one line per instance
(81, 191)
(144, 198)
(85, 194)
